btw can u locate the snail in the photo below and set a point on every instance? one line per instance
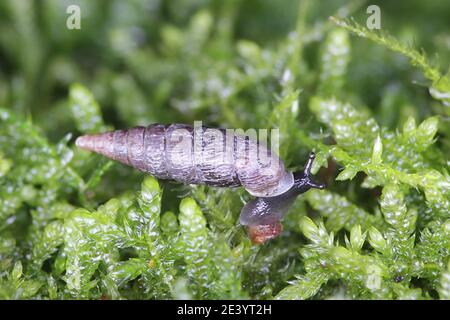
(215, 157)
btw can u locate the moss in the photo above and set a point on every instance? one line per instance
(76, 226)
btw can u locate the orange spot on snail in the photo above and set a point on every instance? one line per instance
(259, 234)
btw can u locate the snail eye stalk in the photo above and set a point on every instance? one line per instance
(308, 165)
(303, 180)
(307, 172)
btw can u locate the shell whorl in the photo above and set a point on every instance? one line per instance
(175, 152)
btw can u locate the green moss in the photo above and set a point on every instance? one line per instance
(74, 225)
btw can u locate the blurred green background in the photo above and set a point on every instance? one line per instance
(168, 61)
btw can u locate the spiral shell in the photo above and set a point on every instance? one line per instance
(195, 155)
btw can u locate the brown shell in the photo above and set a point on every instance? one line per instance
(218, 158)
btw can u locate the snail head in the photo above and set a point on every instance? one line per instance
(303, 180)
(262, 215)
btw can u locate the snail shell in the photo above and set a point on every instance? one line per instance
(195, 155)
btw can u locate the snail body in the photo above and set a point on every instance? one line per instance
(215, 157)
(262, 215)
